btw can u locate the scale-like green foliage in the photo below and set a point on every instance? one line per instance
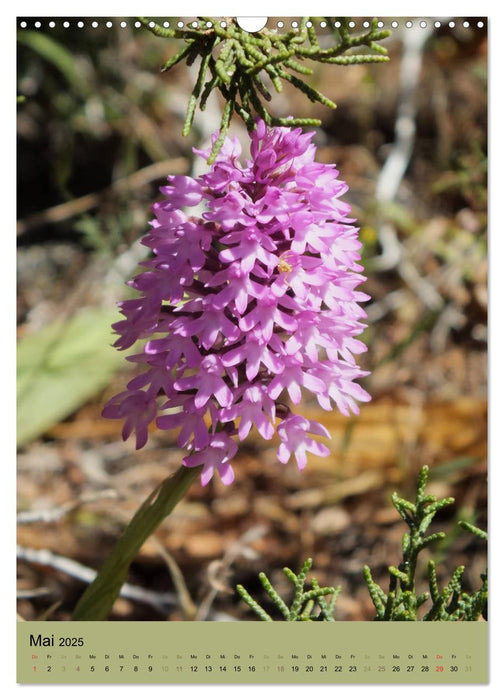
(311, 604)
(402, 602)
(238, 63)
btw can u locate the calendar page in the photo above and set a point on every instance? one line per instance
(252, 350)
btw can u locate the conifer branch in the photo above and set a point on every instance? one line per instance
(303, 607)
(402, 603)
(233, 59)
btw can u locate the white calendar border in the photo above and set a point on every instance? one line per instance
(427, 8)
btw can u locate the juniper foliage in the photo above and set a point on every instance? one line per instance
(244, 67)
(401, 603)
(309, 604)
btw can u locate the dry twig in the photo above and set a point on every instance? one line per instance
(44, 557)
(54, 514)
(67, 210)
(218, 571)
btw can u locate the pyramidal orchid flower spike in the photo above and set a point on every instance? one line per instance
(245, 305)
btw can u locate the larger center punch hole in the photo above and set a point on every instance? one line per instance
(252, 24)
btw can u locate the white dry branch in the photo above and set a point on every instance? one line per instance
(399, 157)
(54, 514)
(28, 593)
(393, 253)
(44, 557)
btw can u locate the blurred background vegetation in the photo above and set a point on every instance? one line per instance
(99, 129)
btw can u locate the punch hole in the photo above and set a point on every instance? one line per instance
(252, 24)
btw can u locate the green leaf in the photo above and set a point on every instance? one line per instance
(57, 54)
(61, 367)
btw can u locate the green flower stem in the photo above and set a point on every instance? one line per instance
(99, 597)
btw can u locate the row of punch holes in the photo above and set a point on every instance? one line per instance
(280, 24)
